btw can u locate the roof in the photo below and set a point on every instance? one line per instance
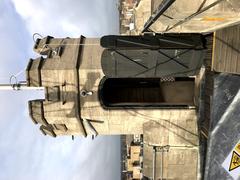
(226, 50)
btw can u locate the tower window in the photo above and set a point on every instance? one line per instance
(53, 93)
(146, 92)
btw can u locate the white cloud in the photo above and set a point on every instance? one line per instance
(24, 152)
(68, 18)
(13, 55)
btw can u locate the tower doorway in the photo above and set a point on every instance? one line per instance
(147, 92)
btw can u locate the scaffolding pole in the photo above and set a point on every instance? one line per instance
(161, 9)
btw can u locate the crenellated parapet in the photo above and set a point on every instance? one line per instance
(57, 71)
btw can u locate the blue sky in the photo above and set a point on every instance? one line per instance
(24, 152)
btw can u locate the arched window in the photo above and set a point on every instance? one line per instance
(178, 55)
(146, 92)
(134, 67)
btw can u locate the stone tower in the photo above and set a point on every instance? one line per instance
(115, 85)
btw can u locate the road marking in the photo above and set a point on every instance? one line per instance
(213, 19)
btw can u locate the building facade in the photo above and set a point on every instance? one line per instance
(92, 87)
(131, 157)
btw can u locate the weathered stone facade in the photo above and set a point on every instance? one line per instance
(87, 94)
(69, 69)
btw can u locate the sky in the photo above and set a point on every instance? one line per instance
(24, 152)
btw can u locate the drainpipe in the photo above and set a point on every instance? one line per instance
(154, 163)
(161, 173)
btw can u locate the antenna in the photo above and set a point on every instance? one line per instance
(16, 85)
(19, 86)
